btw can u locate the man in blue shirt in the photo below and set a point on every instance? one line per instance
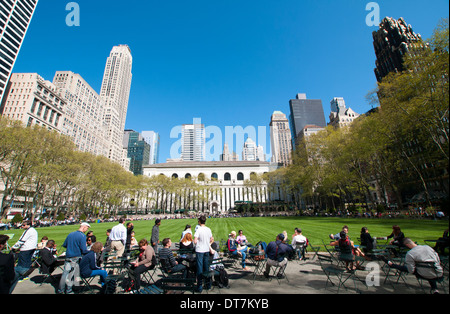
(75, 245)
(277, 251)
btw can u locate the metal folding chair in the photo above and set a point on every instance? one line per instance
(330, 269)
(429, 267)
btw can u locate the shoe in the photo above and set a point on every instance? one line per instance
(199, 290)
(246, 269)
(23, 279)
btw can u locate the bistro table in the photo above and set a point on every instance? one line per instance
(259, 261)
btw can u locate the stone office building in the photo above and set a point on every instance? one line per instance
(224, 182)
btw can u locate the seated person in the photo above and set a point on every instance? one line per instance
(235, 249)
(170, 263)
(277, 253)
(88, 264)
(397, 236)
(43, 243)
(347, 251)
(48, 257)
(187, 244)
(145, 262)
(366, 240)
(421, 254)
(299, 239)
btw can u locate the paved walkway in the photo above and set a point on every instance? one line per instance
(303, 277)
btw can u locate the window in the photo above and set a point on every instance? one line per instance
(214, 177)
(240, 176)
(227, 177)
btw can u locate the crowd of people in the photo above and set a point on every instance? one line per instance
(84, 255)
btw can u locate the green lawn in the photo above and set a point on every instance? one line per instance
(265, 229)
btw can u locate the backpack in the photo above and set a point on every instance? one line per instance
(221, 278)
(110, 286)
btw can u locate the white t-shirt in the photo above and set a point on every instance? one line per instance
(28, 240)
(204, 236)
(298, 239)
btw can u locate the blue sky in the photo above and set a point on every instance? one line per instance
(231, 63)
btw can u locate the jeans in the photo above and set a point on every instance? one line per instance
(179, 268)
(70, 274)
(244, 255)
(100, 272)
(202, 266)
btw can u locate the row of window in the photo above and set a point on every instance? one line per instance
(214, 176)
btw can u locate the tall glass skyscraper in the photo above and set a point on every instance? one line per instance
(15, 17)
(304, 112)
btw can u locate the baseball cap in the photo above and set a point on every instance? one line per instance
(85, 224)
(281, 236)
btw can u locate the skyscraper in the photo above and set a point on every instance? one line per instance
(340, 115)
(15, 17)
(83, 115)
(115, 92)
(193, 141)
(304, 112)
(280, 138)
(152, 138)
(138, 151)
(391, 42)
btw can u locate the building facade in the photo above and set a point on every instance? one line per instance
(340, 115)
(223, 183)
(304, 112)
(138, 151)
(32, 100)
(15, 18)
(280, 139)
(83, 115)
(115, 92)
(152, 138)
(227, 155)
(391, 42)
(193, 142)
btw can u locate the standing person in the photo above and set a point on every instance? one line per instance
(75, 245)
(26, 245)
(6, 267)
(202, 240)
(130, 228)
(118, 237)
(155, 235)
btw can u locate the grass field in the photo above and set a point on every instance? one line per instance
(265, 229)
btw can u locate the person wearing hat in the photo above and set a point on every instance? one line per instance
(276, 255)
(26, 245)
(235, 249)
(75, 245)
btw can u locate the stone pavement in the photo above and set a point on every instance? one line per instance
(303, 277)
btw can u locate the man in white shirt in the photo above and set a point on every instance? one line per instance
(118, 237)
(299, 239)
(202, 240)
(26, 245)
